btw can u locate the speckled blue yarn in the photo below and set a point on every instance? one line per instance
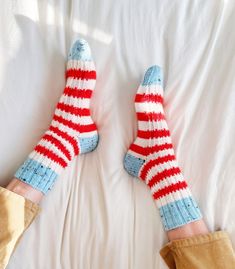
(37, 175)
(179, 213)
(88, 144)
(133, 164)
(153, 76)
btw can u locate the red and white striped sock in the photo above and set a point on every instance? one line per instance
(151, 157)
(72, 130)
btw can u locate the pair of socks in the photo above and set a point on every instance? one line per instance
(72, 132)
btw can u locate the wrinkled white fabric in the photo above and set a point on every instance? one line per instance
(98, 217)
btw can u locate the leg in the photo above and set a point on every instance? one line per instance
(25, 190)
(72, 132)
(188, 230)
(152, 159)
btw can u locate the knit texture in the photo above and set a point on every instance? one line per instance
(151, 157)
(72, 130)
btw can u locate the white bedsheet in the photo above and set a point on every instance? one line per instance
(98, 217)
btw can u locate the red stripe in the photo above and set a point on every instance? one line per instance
(142, 116)
(66, 137)
(75, 126)
(51, 155)
(77, 93)
(58, 144)
(138, 149)
(149, 150)
(158, 148)
(81, 74)
(88, 128)
(170, 189)
(153, 134)
(156, 98)
(164, 174)
(68, 123)
(155, 162)
(73, 110)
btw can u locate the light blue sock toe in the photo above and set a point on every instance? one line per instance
(153, 76)
(80, 50)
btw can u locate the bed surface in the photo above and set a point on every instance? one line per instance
(97, 216)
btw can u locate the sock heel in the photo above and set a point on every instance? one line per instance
(132, 164)
(88, 144)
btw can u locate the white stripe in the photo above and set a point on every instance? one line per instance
(150, 89)
(88, 134)
(161, 153)
(171, 198)
(166, 182)
(65, 129)
(83, 65)
(76, 102)
(84, 120)
(80, 83)
(159, 168)
(46, 162)
(67, 145)
(135, 154)
(149, 107)
(153, 141)
(142, 142)
(152, 125)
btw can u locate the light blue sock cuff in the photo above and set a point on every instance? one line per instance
(179, 213)
(37, 175)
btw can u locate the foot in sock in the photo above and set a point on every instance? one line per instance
(151, 157)
(72, 130)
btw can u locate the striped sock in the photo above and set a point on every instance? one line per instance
(151, 157)
(72, 130)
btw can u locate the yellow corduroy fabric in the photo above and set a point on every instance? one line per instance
(210, 251)
(16, 214)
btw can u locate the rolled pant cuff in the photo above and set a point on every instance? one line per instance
(16, 214)
(210, 251)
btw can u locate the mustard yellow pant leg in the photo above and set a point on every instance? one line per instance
(211, 251)
(16, 214)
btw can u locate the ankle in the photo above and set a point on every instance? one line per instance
(25, 190)
(189, 230)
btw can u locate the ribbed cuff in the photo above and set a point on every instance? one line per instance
(37, 175)
(179, 213)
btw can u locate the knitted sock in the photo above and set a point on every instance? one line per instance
(72, 130)
(151, 157)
